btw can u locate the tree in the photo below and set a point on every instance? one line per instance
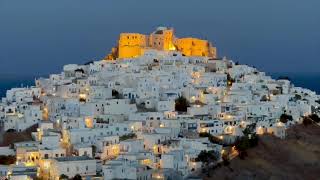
(264, 98)
(94, 149)
(244, 143)
(315, 118)
(63, 177)
(230, 80)
(11, 130)
(226, 159)
(115, 94)
(297, 97)
(307, 121)
(181, 104)
(77, 177)
(207, 157)
(127, 136)
(7, 160)
(284, 118)
(249, 129)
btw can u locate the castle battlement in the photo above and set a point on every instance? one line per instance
(131, 45)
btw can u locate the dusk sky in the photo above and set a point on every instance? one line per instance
(39, 37)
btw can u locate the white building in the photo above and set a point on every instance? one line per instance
(71, 166)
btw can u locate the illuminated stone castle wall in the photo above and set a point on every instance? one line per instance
(195, 47)
(132, 45)
(162, 39)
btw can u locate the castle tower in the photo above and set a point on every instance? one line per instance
(162, 39)
(131, 45)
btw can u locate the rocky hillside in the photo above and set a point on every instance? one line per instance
(8, 138)
(297, 157)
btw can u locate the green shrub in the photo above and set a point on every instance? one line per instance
(181, 104)
(7, 160)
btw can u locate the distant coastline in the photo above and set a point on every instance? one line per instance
(8, 81)
(305, 80)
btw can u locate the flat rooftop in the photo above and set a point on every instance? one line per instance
(73, 158)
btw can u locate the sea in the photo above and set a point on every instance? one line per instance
(310, 80)
(306, 80)
(12, 81)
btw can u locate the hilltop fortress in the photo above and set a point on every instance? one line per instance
(131, 45)
(151, 117)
